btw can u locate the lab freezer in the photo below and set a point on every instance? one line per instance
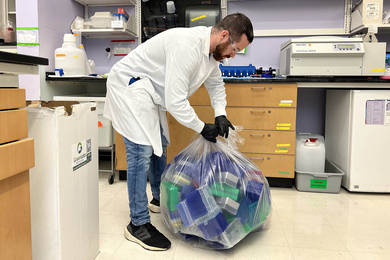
(357, 137)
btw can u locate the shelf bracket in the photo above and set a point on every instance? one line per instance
(347, 16)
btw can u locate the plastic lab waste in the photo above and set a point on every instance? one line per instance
(212, 195)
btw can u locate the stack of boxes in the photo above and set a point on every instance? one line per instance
(214, 199)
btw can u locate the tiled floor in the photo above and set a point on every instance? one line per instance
(303, 226)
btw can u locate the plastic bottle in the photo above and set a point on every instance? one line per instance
(70, 58)
(310, 155)
(87, 66)
(92, 66)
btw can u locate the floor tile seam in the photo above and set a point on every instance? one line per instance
(123, 241)
(285, 236)
(316, 248)
(334, 231)
(361, 210)
(379, 226)
(289, 247)
(323, 249)
(345, 246)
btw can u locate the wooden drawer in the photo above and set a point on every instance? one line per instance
(12, 98)
(276, 142)
(272, 165)
(250, 118)
(13, 125)
(16, 157)
(15, 224)
(252, 95)
(120, 153)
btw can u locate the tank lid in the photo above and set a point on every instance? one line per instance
(68, 37)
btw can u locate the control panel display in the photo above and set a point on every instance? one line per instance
(347, 47)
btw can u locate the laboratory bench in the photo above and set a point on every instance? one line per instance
(16, 156)
(271, 111)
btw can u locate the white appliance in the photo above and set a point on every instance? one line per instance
(357, 137)
(332, 56)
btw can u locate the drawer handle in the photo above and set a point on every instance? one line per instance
(254, 111)
(252, 158)
(258, 88)
(256, 135)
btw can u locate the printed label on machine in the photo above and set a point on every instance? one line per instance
(81, 153)
(372, 11)
(377, 112)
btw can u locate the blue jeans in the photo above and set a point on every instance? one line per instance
(141, 162)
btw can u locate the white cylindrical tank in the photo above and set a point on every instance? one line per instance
(310, 155)
(69, 58)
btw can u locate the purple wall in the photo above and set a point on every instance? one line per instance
(283, 14)
(55, 18)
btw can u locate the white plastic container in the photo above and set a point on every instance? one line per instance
(101, 20)
(310, 155)
(70, 58)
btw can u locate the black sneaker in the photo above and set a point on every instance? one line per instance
(147, 236)
(154, 206)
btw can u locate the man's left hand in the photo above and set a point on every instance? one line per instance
(223, 126)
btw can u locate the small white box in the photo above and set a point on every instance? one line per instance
(366, 12)
(102, 20)
(64, 184)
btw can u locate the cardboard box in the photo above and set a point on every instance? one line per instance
(16, 157)
(13, 125)
(12, 98)
(64, 182)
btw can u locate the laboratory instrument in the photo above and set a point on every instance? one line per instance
(332, 56)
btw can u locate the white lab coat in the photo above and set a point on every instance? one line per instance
(172, 66)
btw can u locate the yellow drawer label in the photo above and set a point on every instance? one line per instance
(284, 105)
(283, 124)
(282, 128)
(283, 145)
(281, 151)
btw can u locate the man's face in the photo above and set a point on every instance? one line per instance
(221, 51)
(229, 48)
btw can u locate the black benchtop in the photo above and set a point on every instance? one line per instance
(22, 59)
(321, 79)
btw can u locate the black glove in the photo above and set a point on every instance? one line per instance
(223, 126)
(210, 132)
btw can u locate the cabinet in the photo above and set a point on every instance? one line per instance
(16, 157)
(268, 114)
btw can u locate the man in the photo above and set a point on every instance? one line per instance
(158, 76)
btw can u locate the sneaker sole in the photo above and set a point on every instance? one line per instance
(131, 238)
(154, 208)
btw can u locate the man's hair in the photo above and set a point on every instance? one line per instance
(236, 24)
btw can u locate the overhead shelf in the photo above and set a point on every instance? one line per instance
(106, 2)
(107, 33)
(363, 28)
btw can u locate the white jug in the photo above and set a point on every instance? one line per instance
(69, 58)
(310, 155)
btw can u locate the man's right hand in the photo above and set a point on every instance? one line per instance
(210, 132)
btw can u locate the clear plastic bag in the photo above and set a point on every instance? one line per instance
(212, 195)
